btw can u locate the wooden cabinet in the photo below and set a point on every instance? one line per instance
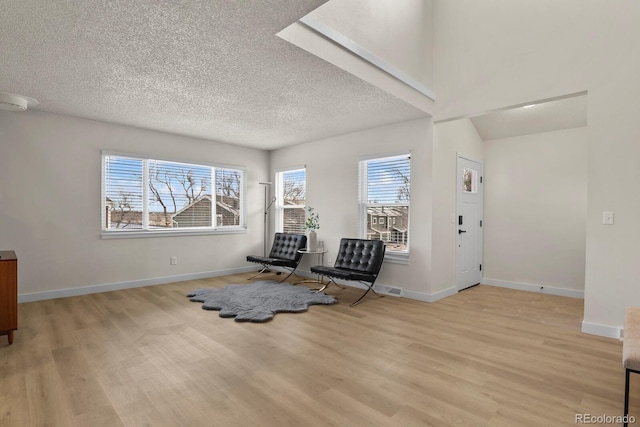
(8, 293)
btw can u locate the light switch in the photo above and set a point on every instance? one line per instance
(607, 218)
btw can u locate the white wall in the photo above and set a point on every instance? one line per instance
(401, 33)
(493, 54)
(332, 189)
(535, 210)
(50, 186)
(450, 139)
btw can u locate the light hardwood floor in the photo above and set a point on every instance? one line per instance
(149, 357)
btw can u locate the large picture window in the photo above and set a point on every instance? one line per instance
(385, 189)
(146, 196)
(291, 192)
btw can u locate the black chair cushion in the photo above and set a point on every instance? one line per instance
(271, 261)
(341, 273)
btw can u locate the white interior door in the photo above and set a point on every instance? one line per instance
(469, 223)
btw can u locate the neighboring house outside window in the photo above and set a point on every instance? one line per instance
(385, 184)
(291, 190)
(148, 196)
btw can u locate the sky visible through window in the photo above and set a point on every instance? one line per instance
(176, 184)
(123, 181)
(296, 176)
(178, 195)
(294, 183)
(388, 180)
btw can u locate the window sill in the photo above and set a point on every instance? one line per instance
(138, 234)
(396, 258)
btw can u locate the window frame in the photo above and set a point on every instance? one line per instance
(397, 257)
(190, 231)
(279, 196)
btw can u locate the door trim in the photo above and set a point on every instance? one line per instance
(459, 157)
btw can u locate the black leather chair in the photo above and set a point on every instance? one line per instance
(358, 260)
(284, 253)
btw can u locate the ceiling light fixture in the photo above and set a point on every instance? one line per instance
(13, 102)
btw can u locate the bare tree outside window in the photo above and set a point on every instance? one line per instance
(294, 192)
(228, 187)
(177, 187)
(163, 178)
(229, 184)
(194, 187)
(122, 206)
(123, 192)
(179, 195)
(404, 188)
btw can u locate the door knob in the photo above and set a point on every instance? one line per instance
(462, 231)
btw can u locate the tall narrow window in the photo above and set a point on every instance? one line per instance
(385, 188)
(228, 200)
(124, 193)
(147, 195)
(291, 192)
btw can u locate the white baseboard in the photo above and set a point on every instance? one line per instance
(391, 290)
(93, 289)
(573, 293)
(423, 296)
(602, 330)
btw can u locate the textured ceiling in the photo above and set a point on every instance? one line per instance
(208, 69)
(543, 117)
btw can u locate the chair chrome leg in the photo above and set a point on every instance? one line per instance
(626, 398)
(289, 275)
(324, 286)
(369, 288)
(265, 268)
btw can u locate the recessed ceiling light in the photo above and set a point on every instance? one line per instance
(13, 102)
(529, 106)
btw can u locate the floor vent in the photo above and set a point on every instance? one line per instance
(389, 290)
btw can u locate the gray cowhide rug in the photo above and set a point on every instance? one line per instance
(259, 301)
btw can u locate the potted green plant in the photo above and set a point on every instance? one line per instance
(311, 224)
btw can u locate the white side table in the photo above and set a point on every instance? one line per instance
(320, 257)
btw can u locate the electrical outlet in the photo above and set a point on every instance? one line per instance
(173, 260)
